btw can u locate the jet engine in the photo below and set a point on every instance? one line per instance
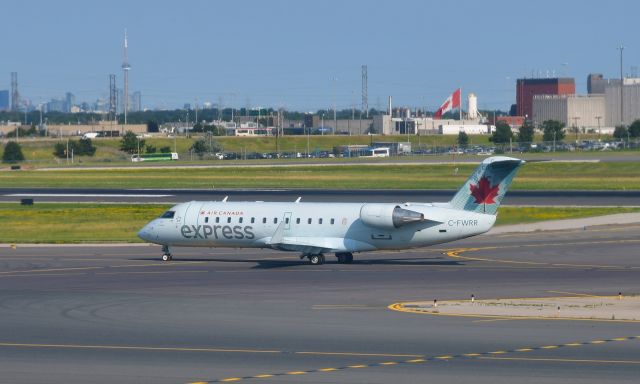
(388, 216)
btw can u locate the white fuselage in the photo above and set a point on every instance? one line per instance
(332, 227)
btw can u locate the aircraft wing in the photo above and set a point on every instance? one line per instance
(317, 245)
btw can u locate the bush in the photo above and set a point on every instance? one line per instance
(165, 149)
(12, 153)
(84, 147)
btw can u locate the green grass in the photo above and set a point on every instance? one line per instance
(74, 223)
(522, 215)
(40, 151)
(533, 176)
(103, 223)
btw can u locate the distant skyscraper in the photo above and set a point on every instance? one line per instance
(69, 101)
(4, 100)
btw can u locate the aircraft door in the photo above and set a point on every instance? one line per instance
(287, 221)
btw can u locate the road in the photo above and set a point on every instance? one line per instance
(106, 314)
(549, 198)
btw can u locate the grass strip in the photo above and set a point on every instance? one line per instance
(66, 223)
(533, 176)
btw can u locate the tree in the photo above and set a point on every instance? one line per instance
(553, 130)
(463, 139)
(620, 132)
(200, 147)
(84, 147)
(502, 134)
(152, 126)
(12, 153)
(60, 150)
(130, 143)
(525, 134)
(634, 129)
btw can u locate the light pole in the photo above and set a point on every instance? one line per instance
(599, 131)
(322, 125)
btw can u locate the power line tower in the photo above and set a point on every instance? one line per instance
(112, 97)
(15, 96)
(365, 91)
(125, 68)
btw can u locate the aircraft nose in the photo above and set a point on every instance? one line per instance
(146, 233)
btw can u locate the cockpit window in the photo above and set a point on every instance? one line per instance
(168, 215)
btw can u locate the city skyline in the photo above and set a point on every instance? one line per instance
(304, 56)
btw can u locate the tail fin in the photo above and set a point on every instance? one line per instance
(486, 187)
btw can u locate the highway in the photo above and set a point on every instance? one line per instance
(107, 314)
(544, 198)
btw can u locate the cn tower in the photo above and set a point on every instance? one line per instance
(125, 68)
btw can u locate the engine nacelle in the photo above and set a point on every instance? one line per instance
(388, 216)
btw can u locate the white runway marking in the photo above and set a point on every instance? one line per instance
(82, 195)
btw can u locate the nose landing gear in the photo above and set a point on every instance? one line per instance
(166, 253)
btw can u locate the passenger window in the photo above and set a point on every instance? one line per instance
(319, 221)
(228, 219)
(298, 220)
(333, 221)
(275, 220)
(168, 215)
(217, 220)
(286, 220)
(253, 220)
(309, 221)
(240, 220)
(264, 220)
(206, 219)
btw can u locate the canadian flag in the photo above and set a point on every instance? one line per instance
(452, 101)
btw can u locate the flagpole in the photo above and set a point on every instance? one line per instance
(460, 107)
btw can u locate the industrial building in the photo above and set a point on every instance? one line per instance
(583, 111)
(526, 89)
(630, 101)
(405, 124)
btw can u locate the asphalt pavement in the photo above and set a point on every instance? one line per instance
(525, 198)
(106, 314)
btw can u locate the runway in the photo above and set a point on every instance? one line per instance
(105, 314)
(528, 198)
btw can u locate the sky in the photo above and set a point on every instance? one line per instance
(307, 55)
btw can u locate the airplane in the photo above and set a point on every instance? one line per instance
(315, 229)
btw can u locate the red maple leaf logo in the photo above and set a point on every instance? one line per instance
(484, 193)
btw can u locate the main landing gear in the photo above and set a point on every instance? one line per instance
(344, 257)
(166, 253)
(317, 259)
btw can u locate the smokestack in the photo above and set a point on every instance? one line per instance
(389, 110)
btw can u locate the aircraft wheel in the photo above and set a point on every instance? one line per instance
(348, 258)
(166, 257)
(316, 259)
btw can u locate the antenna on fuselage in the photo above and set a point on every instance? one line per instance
(225, 199)
(298, 199)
